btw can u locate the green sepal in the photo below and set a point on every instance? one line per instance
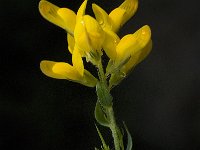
(116, 78)
(100, 115)
(129, 143)
(103, 94)
(105, 147)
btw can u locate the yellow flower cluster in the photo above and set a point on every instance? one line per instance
(88, 37)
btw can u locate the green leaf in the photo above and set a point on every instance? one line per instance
(130, 143)
(104, 95)
(100, 115)
(105, 147)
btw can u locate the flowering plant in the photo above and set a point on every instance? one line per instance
(89, 38)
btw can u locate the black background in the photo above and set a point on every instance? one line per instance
(159, 100)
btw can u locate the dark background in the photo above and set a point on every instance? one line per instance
(159, 101)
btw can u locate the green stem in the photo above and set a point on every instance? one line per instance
(109, 111)
(113, 128)
(101, 73)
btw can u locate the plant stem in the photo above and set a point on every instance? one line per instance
(109, 111)
(113, 128)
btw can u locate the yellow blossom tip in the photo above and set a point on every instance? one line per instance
(124, 12)
(117, 16)
(81, 10)
(69, 17)
(46, 68)
(49, 12)
(102, 17)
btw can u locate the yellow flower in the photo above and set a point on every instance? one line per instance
(88, 34)
(130, 51)
(118, 17)
(62, 70)
(62, 17)
(58, 16)
(87, 37)
(84, 32)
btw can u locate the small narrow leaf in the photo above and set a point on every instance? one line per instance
(100, 115)
(120, 135)
(130, 143)
(105, 147)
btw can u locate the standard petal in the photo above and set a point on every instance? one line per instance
(80, 33)
(81, 37)
(81, 11)
(69, 17)
(132, 43)
(117, 16)
(95, 33)
(110, 43)
(49, 12)
(88, 34)
(130, 6)
(102, 17)
(77, 61)
(125, 11)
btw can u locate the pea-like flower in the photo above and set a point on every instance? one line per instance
(88, 37)
(117, 17)
(128, 52)
(66, 19)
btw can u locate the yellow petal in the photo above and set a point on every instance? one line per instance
(49, 12)
(123, 13)
(71, 43)
(144, 52)
(88, 34)
(81, 37)
(69, 17)
(118, 76)
(132, 43)
(66, 70)
(95, 32)
(110, 43)
(137, 58)
(117, 16)
(61, 70)
(81, 11)
(80, 34)
(124, 48)
(46, 68)
(130, 6)
(77, 61)
(102, 17)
